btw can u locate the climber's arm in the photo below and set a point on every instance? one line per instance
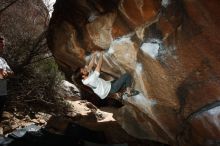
(99, 64)
(91, 63)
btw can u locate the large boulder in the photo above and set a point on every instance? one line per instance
(170, 47)
(23, 24)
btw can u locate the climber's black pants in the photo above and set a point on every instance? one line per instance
(123, 82)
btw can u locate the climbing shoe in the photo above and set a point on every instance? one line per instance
(133, 93)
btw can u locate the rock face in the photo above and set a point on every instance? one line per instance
(22, 24)
(170, 47)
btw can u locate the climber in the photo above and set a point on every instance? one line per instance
(101, 87)
(5, 71)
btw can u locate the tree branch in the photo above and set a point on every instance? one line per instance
(33, 52)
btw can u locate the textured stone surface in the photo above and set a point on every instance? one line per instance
(170, 47)
(22, 24)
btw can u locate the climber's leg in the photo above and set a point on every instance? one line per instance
(123, 82)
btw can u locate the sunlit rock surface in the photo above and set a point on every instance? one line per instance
(170, 47)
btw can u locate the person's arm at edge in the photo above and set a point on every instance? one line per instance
(8, 71)
(99, 64)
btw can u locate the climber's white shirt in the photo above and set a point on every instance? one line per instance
(98, 85)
